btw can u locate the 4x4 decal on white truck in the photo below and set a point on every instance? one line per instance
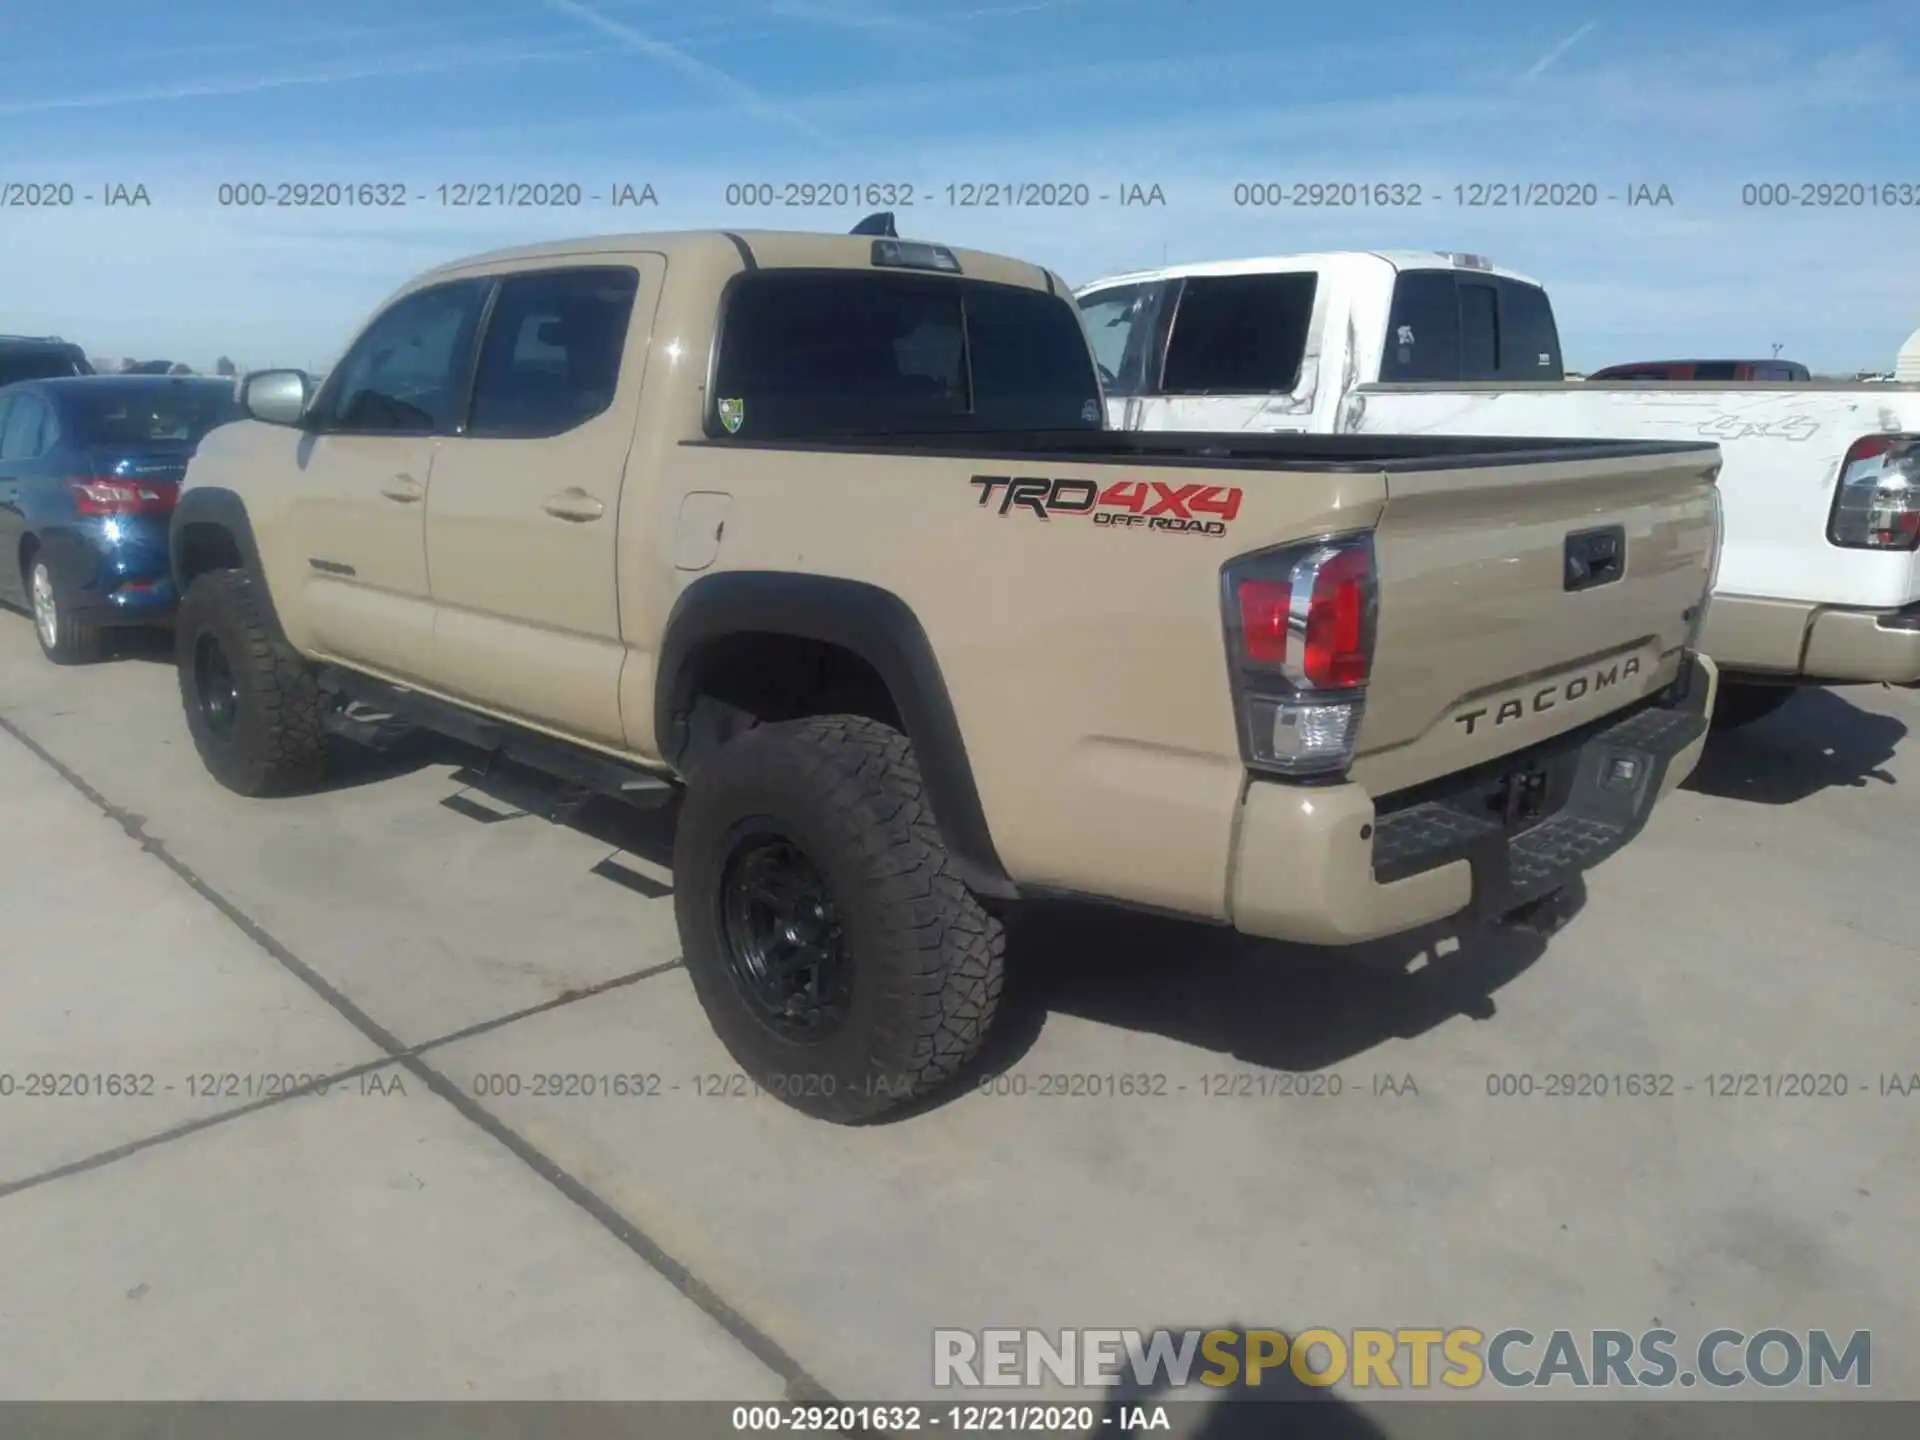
(1732, 427)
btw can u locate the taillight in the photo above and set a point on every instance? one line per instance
(112, 495)
(1336, 653)
(1876, 505)
(1266, 615)
(1300, 624)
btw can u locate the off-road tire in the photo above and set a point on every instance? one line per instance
(1739, 704)
(276, 744)
(74, 642)
(925, 959)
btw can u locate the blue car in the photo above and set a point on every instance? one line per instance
(90, 470)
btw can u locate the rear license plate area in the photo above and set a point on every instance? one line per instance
(1528, 792)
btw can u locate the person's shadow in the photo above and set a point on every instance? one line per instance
(1279, 1407)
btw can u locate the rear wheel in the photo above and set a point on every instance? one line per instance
(63, 640)
(839, 959)
(1739, 704)
(252, 702)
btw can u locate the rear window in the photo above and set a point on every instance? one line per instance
(1239, 334)
(119, 414)
(816, 354)
(1423, 328)
(1446, 326)
(1479, 332)
(1529, 340)
(39, 363)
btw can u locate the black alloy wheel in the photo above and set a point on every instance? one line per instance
(785, 940)
(214, 686)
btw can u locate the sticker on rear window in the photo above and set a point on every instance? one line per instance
(732, 414)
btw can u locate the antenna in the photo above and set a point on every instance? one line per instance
(879, 223)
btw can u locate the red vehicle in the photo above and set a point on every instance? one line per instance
(1762, 371)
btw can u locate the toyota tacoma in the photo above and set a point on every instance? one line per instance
(825, 539)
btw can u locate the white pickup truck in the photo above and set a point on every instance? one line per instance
(1819, 580)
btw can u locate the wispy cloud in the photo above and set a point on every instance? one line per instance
(250, 83)
(351, 39)
(1703, 112)
(710, 75)
(1558, 50)
(1032, 7)
(860, 16)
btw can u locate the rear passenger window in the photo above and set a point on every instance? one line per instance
(21, 439)
(1423, 328)
(1716, 370)
(1529, 340)
(840, 353)
(1239, 335)
(1479, 333)
(550, 359)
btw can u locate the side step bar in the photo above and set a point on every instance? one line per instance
(367, 710)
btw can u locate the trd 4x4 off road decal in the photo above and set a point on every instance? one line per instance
(1123, 504)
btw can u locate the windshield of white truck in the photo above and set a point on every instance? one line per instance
(839, 353)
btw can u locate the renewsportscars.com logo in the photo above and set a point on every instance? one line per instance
(1415, 1359)
(1123, 504)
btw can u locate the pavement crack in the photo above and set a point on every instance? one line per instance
(193, 1127)
(800, 1385)
(569, 997)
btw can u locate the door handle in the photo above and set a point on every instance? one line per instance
(1595, 557)
(573, 503)
(403, 488)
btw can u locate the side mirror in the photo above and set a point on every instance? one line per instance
(276, 397)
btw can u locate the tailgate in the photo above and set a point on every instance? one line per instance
(1523, 596)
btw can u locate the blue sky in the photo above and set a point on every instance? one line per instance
(1194, 96)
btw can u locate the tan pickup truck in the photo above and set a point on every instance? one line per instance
(824, 538)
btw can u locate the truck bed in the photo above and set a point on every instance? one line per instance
(1229, 449)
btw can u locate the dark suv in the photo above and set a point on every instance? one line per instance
(40, 357)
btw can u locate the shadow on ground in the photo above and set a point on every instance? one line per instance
(351, 765)
(140, 642)
(1287, 1007)
(1238, 1410)
(1818, 740)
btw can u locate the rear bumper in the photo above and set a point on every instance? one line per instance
(1792, 640)
(121, 578)
(1319, 864)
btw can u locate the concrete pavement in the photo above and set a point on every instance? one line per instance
(471, 1234)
